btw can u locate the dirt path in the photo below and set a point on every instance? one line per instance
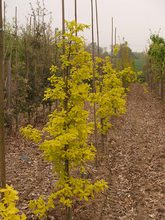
(137, 161)
(134, 166)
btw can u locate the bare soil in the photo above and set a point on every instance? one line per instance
(133, 165)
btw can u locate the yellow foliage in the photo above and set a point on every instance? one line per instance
(40, 207)
(110, 94)
(145, 88)
(116, 49)
(8, 210)
(67, 193)
(31, 133)
(128, 76)
(65, 136)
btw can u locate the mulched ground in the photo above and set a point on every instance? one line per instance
(134, 166)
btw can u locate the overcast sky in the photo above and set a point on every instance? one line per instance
(133, 18)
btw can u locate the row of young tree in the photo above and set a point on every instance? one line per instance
(155, 66)
(28, 54)
(64, 140)
(84, 91)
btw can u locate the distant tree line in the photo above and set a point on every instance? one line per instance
(155, 65)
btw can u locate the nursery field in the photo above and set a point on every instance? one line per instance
(82, 121)
(133, 166)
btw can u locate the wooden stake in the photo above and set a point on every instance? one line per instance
(4, 27)
(16, 65)
(75, 4)
(100, 73)
(63, 17)
(4, 12)
(63, 24)
(93, 46)
(75, 11)
(115, 57)
(94, 77)
(97, 26)
(16, 23)
(115, 36)
(93, 51)
(112, 39)
(2, 142)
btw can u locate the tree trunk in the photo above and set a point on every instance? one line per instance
(29, 116)
(65, 77)
(162, 87)
(16, 121)
(68, 213)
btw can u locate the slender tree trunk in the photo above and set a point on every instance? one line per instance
(2, 142)
(65, 77)
(162, 86)
(68, 213)
(56, 47)
(29, 117)
(150, 75)
(102, 135)
(9, 83)
(9, 95)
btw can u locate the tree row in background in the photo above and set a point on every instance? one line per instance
(155, 65)
(29, 52)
